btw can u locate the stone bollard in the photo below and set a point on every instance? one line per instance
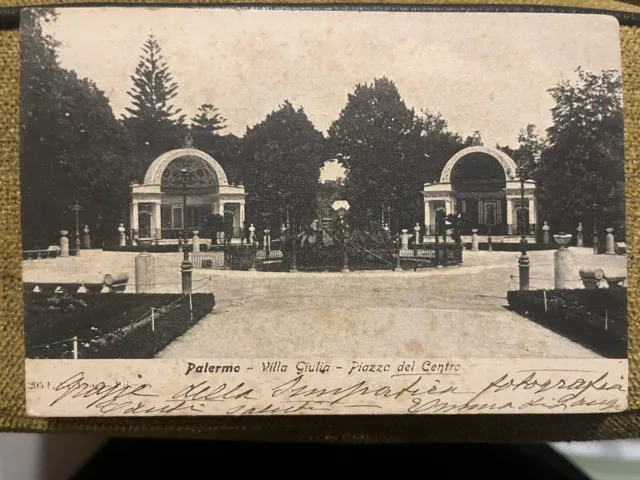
(196, 241)
(405, 239)
(610, 242)
(186, 269)
(122, 236)
(580, 236)
(545, 233)
(86, 239)
(64, 243)
(145, 269)
(474, 240)
(562, 262)
(416, 229)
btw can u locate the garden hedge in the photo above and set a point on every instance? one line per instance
(594, 318)
(108, 325)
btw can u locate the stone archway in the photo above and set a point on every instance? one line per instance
(175, 208)
(490, 209)
(507, 163)
(155, 171)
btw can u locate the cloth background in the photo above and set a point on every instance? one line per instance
(348, 428)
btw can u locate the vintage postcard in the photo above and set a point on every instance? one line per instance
(269, 211)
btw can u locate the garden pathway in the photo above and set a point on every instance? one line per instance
(452, 312)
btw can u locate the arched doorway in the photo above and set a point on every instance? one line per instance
(182, 189)
(481, 184)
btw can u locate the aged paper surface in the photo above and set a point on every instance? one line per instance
(284, 386)
(252, 211)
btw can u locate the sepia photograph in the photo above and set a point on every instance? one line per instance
(315, 184)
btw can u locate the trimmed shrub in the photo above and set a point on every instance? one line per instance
(108, 325)
(596, 319)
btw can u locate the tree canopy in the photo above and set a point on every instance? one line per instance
(581, 170)
(281, 161)
(73, 147)
(389, 152)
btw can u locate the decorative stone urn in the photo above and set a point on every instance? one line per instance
(144, 243)
(562, 239)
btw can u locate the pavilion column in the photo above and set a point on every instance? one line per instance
(532, 215)
(134, 220)
(242, 217)
(427, 217)
(221, 208)
(447, 206)
(509, 216)
(157, 222)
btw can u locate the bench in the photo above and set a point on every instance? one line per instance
(596, 278)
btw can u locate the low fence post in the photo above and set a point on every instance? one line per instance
(153, 320)
(186, 268)
(437, 257)
(75, 347)
(398, 264)
(415, 258)
(294, 267)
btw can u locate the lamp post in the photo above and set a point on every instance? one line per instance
(76, 207)
(595, 230)
(523, 261)
(184, 177)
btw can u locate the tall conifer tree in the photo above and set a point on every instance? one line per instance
(154, 123)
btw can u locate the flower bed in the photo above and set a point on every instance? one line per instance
(596, 319)
(107, 325)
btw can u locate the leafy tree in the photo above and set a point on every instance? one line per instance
(374, 139)
(73, 147)
(389, 152)
(281, 161)
(155, 125)
(583, 163)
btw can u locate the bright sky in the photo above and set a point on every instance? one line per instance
(484, 71)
